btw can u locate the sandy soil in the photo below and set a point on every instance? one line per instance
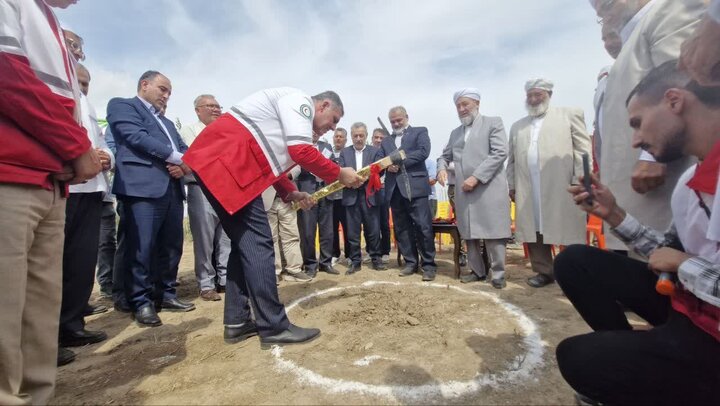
(385, 339)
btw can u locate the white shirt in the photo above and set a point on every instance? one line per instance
(277, 118)
(533, 161)
(467, 132)
(358, 158)
(398, 137)
(190, 132)
(89, 120)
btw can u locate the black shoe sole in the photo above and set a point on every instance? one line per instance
(267, 346)
(82, 342)
(65, 361)
(165, 309)
(235, 340)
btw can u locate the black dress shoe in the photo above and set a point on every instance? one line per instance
(146, 316)
(540, 280)
(220, 288)
(472, 277)
(428, 275)
(176, 305)
(311, 272)
(407, 271)
(98, 309)
(330, 270)
(122, 306)
(65, 356)
(235, 334)
(355, 268)
(81, 337)
(379, 266)
(293, 335)
(498, 283)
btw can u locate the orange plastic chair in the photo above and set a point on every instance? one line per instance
(594, 229)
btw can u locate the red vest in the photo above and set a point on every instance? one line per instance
(231, 164)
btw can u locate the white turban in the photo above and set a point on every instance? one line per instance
(543, 84)
(469, 92)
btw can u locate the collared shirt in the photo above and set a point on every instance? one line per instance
(699, 275)
(175, 157)
(431, 166)
(359, 158)
(190, 132)
(99, 183)
(398, 136)
(533, 161)
(628, 29)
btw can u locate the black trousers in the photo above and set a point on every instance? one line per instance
(673, 363)
(319, 217)
(384, 210)
(119, 293)
(339, 218)
(361, 217)
(413, 230)
(251, 268)
(82, 232)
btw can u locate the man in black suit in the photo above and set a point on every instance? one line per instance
(407, 192)
(361, 209)
(318, 217)
(148, 182)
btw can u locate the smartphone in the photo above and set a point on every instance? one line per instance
(587, 180)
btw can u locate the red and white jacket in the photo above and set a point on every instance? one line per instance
(254, 145)
(39, 96)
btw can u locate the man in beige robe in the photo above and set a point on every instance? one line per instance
(545, 157)
(652, 32)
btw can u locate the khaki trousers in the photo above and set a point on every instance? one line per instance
(286, 237)
(541, 258)
(32, 220)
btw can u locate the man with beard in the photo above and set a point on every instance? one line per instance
(383, 207)
(671, 116)
(407, 193)
(652, 33)
(479, 149)
(211, 246)
(546, 150)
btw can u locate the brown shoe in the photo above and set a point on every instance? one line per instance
(210, 295)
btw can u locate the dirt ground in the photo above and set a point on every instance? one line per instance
(385, 340)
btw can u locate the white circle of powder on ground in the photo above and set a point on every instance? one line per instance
(526, 363)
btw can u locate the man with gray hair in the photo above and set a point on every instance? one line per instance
(652, 32)
(211, 245)
(546, 150)
(360, 206)
(479, 149)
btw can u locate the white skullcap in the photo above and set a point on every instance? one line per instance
(469, 92)
(543, 84)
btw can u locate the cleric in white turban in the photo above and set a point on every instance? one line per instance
(469, 92)
(539, 83)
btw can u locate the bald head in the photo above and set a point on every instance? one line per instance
(83, 78)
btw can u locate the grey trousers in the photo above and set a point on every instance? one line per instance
(211, 245)
(541, 258)
(496, 255)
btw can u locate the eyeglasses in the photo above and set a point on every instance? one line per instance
(211, 106)
(75, 47)
(602, 8)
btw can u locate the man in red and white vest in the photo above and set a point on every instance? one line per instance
(44, 149)
(678, 360)
(234, 160)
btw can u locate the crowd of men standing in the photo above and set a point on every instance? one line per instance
(63, 180)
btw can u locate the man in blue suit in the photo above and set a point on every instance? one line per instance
(148, 182)
(407, 192)
(361, 209)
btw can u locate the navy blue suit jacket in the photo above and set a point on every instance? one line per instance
(347, 159)
(416, 144)
(306, 181)
(142, 148)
